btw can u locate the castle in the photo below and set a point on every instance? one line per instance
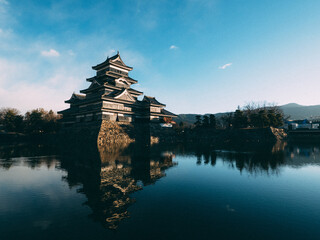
(110, 97)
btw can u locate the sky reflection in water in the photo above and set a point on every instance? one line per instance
(179, 192)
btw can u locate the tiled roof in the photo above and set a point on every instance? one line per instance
(75, 97)
(152, 100)
(163, 111)
(109, 60)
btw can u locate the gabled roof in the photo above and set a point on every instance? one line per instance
(127, 79)
(68, 110)
(75, 97)
(131, 90)
(122, 80)
(131, 80)
(167, 113)
(122, 95)
(114, 60)
(152, 100)
(90, 79)
(94, 84)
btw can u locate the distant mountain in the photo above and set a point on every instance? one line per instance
(296, 111)
(293, 110)
(290, 105)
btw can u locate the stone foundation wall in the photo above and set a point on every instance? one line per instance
(81, 134)
(115, 133)
(118, 133)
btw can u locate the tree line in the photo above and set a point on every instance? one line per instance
(252, 115)
(206, 121)
(36, 121)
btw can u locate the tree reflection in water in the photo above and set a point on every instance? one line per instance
(109, 175)
(35, 155)
(262, 161)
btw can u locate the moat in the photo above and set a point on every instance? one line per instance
(160, 192)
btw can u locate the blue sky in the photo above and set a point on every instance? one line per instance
(204, 56)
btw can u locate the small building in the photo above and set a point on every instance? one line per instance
(111, 97)
(301, 124)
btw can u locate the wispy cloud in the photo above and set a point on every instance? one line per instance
(5, 33)
(225, 66)
(4, 2)
(48, 93)
(173, 47)
(3, 10)
(50, 53)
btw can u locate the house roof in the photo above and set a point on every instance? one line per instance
(95, 84)
(152, 100)
(111, 75)
(68, 110)
(75, 97)
(166, 112)
(114, 60)
(121, 94)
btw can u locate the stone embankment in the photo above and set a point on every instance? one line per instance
(117, 134)
(304, 135)
(113, 133)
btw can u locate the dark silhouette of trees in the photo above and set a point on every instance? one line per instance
(212, 121)
(263, 118)
(36, 121)
(254, 115)
(263, 115)
(40, 121)
(240, 120)
(227, 120)
(205, 121)
(11, 120)
(198, 122)
(276, 119)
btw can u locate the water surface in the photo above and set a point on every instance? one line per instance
(181, 192)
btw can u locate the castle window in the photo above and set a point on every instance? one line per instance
(116, 71)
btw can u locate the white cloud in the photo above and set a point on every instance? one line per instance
(50, 53)
(225, 66)
(3, 10)
(4, 2)
(19, 90)
(5, 33)
(7, 70)
(173, 47)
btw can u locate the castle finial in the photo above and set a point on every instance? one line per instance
(118, 52)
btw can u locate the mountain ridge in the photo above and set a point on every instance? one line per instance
(293, 111)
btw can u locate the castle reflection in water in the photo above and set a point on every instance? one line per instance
(109, 179)
(108, 176)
